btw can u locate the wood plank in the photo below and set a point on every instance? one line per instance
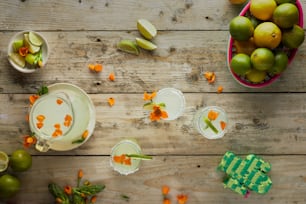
(195, 176)
(180, 61)
(259, 123)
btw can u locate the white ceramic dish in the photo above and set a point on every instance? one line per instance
(83, 113)
(44, 47)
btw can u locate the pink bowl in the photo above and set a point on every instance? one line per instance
(271, 79)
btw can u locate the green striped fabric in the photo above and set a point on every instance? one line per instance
(247, 174)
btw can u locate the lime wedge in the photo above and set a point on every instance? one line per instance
(32, 48)
(210, 125)
(30, 58)
(145, 44)
(140, 156)
(128, 46)
(17, 44)
(4, 160)
(146, 28)
(35, 39)
(17, 59)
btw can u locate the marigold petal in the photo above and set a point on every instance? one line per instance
(85, 134)
(111, 76)
(98, 68)
(111, 101)
(91, 67)
(212, 115)
(182, 199)
(59, 101)
(220, 89)
(166, 201)
(223, 125)
(165, 190)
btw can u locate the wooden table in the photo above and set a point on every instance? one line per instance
(192, 38)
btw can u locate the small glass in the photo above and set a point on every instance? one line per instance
(220, 123)
(125, 147)
(174, 101)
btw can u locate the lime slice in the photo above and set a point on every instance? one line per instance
(35, 39)
(145, 44)
(17, 59)
(4, 159)
(32, 48)
(140, 156)
(146, 28)
(17, 44)
(30, 58)
(150, 105)
(128, 46)
(210, 125)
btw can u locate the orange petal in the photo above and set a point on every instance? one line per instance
(212, 115)
(40, 118)
(85, 134)
(91, 67)
(57, 126)
(98, 68)
(210, 76)
(220, 89)
(182, 199)
(39, 125)
(166, 201)
(223, 125)
(111, 76)
(165, 190)
(33, 98)
(111, 101)
(59, 101)
(68, 117)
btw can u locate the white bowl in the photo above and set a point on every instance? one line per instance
(44, 47)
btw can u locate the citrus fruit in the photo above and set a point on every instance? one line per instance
(241, 28)
(35, 39)
(280, 63)
(262, 9)
(246, 47)
(256, 76)
(286, 15)
(32, 48)
(146, 28)
(237, 1)
(128, 46)
(20, 160)
(268, 35)
(9, 186)
(294, 37)
(241, 64)
(262, 59)
(17, 59)
(145, 44)
(3, 161)
(17, 44)
(285, 1)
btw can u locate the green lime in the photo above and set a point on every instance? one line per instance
(146, 28)
(9, 186)
(286, 15)
(17, 59)
(145, 44)
(128, 46)
(20, 160)
(210, 125)
(256, 76)
(4, 159)
(140, 156)
(30, 58)
(35, 39)
(32, 48)
(17, 44)
(294, 37)
(262, 59)
(150, 105)
(241, 28)
(241, 64)
(280, 64)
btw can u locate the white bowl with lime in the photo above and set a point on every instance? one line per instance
(28, 51)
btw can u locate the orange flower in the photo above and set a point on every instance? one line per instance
(122, 159)
(23, 51)
(111, 101)
(80, 174)
(148, 97)
(28, 141)
(68, 190)
(182, 199)
(33, 98)
(166, 201)
(210, 76)
(59, 101)
(165, 190)
(157, 114)
(93, 199)
(40, 118)
(223, 125)
(39, 125)
(111, 76)
(212, 115)
(220, 89)
(95, 67)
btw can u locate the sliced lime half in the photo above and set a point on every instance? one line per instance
(17, 59)
(140, 156)
(17, 44)
(146, 28)
(210, 125)
(128, 46)
(4, 160)
(35, 39)
(32, 48)
(145, 44)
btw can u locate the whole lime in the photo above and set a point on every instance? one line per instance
(286, 15)
(241, 28)
(241, 64)
(280, 64)
(20, 160)
(294, 37)
(256, 76)
(9, 186)
(262, 59)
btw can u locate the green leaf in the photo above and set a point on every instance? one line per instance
(43, 90)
